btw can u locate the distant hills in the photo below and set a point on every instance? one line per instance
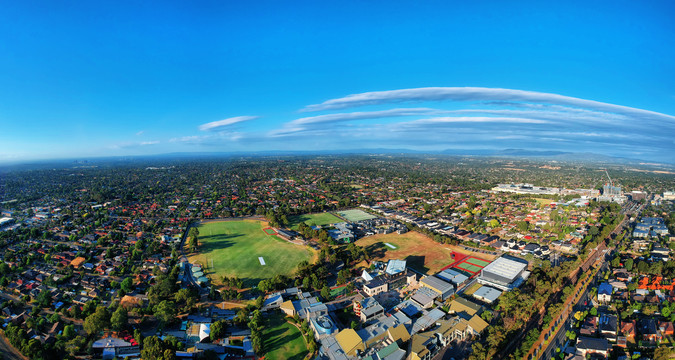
(561, 156)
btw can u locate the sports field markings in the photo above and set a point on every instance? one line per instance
(390, 245)
(262, 261)
(478, 262)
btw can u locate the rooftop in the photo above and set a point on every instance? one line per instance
(395, 266)
(487, 294)
(506, 267)
(437, 284)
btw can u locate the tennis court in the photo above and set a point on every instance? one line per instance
(269, 231)
(478, 262)
(355, 215)
(470, 268)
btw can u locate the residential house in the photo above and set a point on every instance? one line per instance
(589, 346)
(605, 293)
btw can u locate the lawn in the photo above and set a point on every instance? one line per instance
(355, 215)
(235, 246)
(543, 201)
(472, 289)
(313, 219)
(422, 253)
(282, 340)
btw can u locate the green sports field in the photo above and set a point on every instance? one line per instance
(235, 248)
(283, 341)
(355, 215)
(313, 219)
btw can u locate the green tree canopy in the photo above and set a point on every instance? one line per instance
(98, 321)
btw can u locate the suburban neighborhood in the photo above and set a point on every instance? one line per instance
(306, 266)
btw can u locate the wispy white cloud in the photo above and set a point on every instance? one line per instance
(134, 144)
(474, 119)
(479, 94)
(319, 122)
(187, 139)
(140, 133)
(225, 123)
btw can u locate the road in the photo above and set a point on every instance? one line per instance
(561, 336)
(9, 352)
(598, 258)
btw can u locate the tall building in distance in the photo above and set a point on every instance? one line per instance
(610, 190)
(612, 193)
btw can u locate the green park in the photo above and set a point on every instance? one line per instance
(242, 249)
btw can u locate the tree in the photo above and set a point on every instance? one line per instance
(119, 319)
(165, 311)
(629, 264)
(662, 353)
(325, 293)
(265, 285)
(616, 262)
(218, 329)
(44, 298)
(68, 332)
(127, 285)
(194, 242)
(155, 349)
(34, 348)
(478, 351)
(97, 321)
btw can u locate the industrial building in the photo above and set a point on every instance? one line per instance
(526, 189)
(505, 273)
(487, 294)
(442, 288)
(454, 277)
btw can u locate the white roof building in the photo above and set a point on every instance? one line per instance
(504, 273)
(395, 266)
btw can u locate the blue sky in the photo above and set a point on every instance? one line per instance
(85, 79)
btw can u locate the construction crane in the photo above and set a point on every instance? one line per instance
(610, 179)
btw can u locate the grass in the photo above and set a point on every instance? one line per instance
(422, 253)
(282, 340)
(543, 201)
(355, 215)
(234, 248)
(472, 289)
(313, 219)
